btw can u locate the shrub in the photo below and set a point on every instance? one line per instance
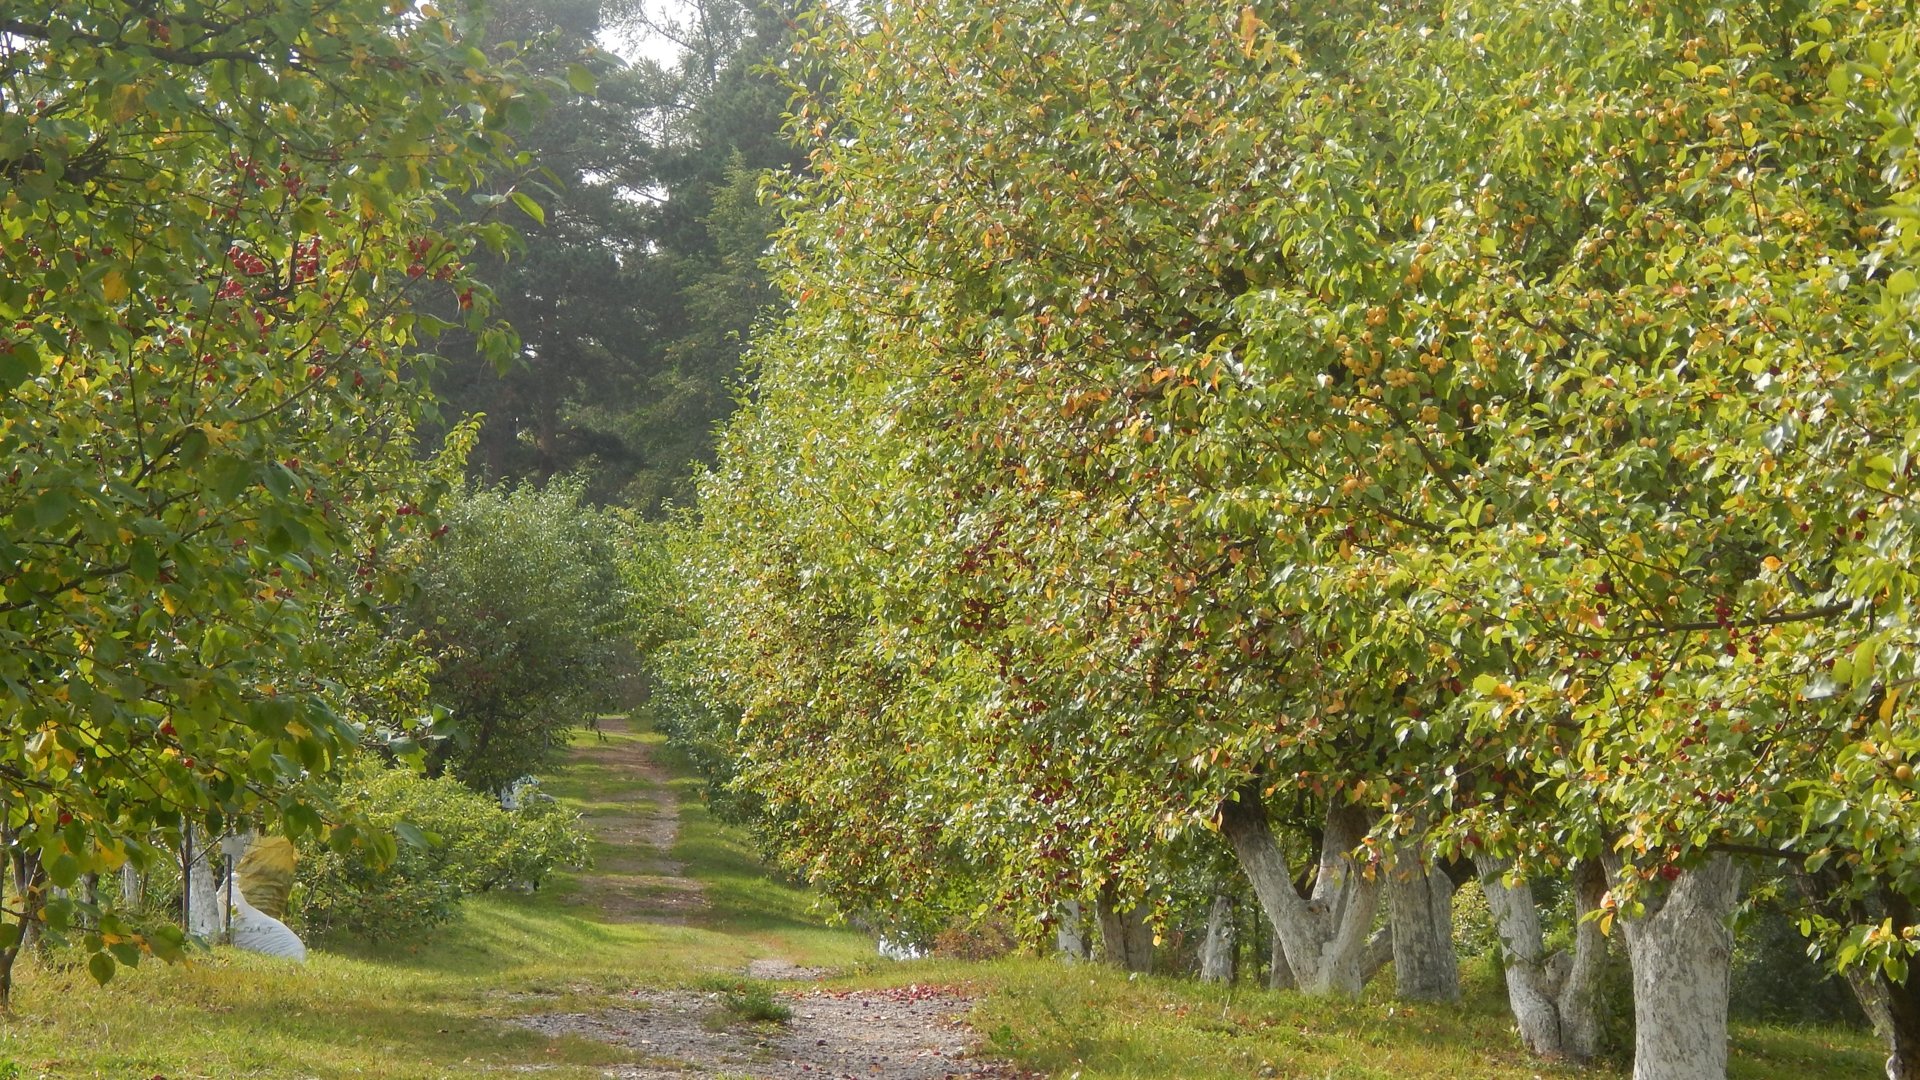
(455, 843)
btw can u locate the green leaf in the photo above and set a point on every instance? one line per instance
(144, 560)
(64, 870)
(580, 78)
(18, 363)
(101, 967)
(527, 206)
(411, 834)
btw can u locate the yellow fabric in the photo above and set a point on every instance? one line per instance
(266, 874)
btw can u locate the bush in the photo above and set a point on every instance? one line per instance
(455, 843)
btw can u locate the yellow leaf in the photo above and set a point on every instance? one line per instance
(114, 286)
(127, 102)
(1771, 563)
(1249, 27)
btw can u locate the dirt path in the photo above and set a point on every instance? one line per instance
(909, 1033)
(632, 809)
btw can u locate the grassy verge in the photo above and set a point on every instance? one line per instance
(438, 1008)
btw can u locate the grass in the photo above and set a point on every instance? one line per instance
(747, 1001)
(438, 1008)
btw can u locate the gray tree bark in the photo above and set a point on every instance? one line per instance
(1279, 972)
(1892, 1008)
(1324, 934)
(1217, 950)
(1126, 940)
(1420, 913)
(203, 900)
(1555, 997)
(1682, 953)
(1070, 936)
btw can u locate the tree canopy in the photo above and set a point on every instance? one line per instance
(1474, 426)
(216, 224)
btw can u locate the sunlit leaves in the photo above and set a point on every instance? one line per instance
(211, 233)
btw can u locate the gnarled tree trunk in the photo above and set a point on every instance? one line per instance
(1324, 934)
(1555, 997)
(1126, 941)
(1279, 972)
(1420, 913)
(1682, 954)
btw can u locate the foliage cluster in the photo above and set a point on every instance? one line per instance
(457, 843)
(642, 278)
(521, 605)
(1474, 430)
(216, 224)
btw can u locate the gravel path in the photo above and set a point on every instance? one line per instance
(907, 1033)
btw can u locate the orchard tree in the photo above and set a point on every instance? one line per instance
(214, 222)
(520, 604)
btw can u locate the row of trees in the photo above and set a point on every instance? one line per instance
(1370, 442)
(216, 223)
(230, 563)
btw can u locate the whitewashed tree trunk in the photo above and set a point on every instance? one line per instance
(1420, 913)
(1217, 950)
(1894, 1011)
(1126, 940)
(1070, 936)
(129, 885)
(1682, 954)
(1555, 997)
(1324, 935)
(203, 899)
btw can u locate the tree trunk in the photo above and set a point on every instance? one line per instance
(1555, 998)
(1682, 954)
(202, 900)
(1324, 935)
(1070, 937)
(1217, 951)
(1420, 913)
(1902, 1032)
(129, 886)
(1892, 1008)
(1279, 972)
(1126, 941)
(23, 870)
